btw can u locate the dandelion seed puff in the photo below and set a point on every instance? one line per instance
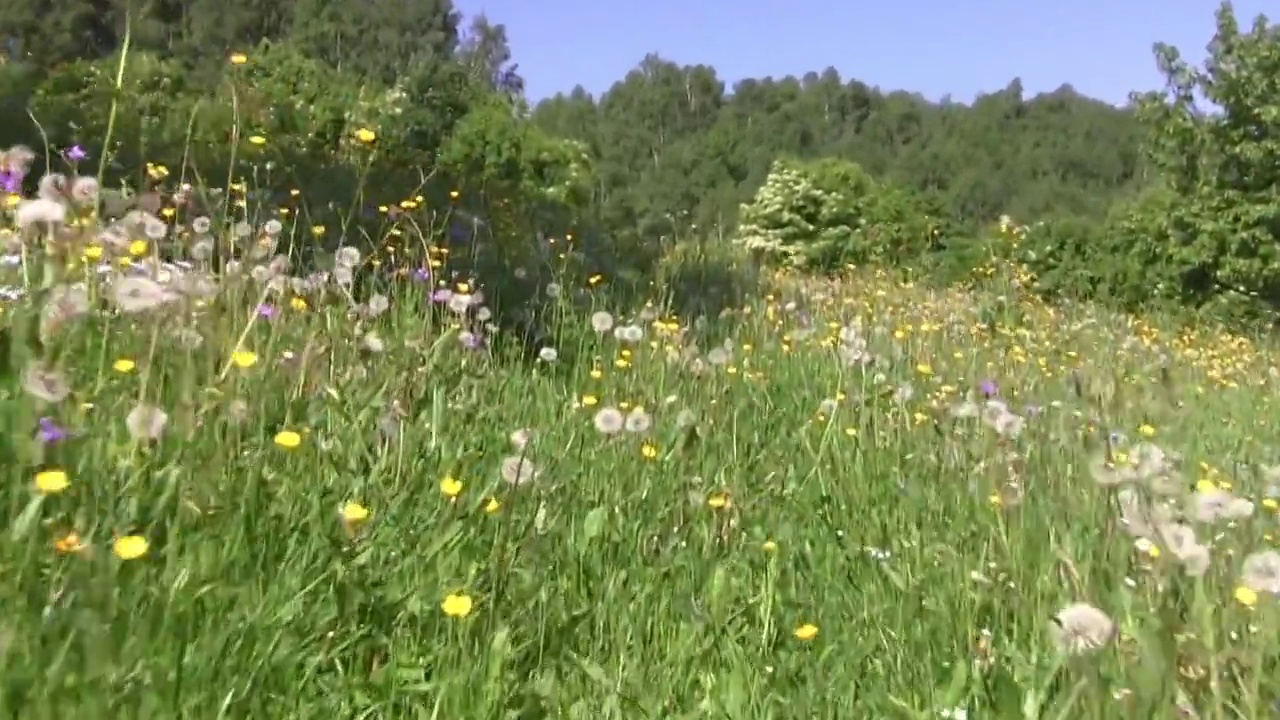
(638, 421)
(548, 354)
(601, 322)
(1081, 628)
(139, 294)
(202, 250)
(518, 470)
(39, 212)
(45, 383)
(459, 302)
(347, 257)
(1261, 572)
(629, 333)
(343, 276)
(1207, 507)
(520, 439)
(378, 304)
(718, 356)
(552, 290)
(609, 421)
(52, 187)
(373, 343)
(201, 225)
(155, 229)
(273, 227)
(84, 191)
(146, 422)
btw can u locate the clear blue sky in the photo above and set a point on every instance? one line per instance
(934, 47)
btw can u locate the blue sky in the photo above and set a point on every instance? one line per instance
(1102, 47)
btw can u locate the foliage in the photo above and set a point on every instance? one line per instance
(823, 215)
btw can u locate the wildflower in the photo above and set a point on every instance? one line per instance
(51, 482)
(1147, 431)
(124, 365)
(608, 420)
(257, 140)
(589, 401)
(39, 212)
(601, 322)
(69, 543)
(299, 304)
(719, 501)
(1261, 572)
(45, 384)
(548, 354)
(457, 605)
(365, 135)
(638, 421)
(451, 487)
(146, 422)
(135, 294)
(288, 439)
(769, 546)
(244, 359)
(49, 432)
(238, 58)
(1081, 628)
(649, 451)
(518, 470)
(138, 248)
(130, 547)
(806, 632)
(1246, 596)
(521, 438)
(353, 513)
(492, 506)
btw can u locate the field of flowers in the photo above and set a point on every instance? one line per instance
(234, 492)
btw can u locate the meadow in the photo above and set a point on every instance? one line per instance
(246, 492)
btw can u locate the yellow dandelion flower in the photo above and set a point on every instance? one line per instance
(238, 58)
(365, 135)
(93, 253)
(138, 248)
(257, 140)
(806, 632)
(719, 501)
(299, 304)
(1147, 431)
(353, 513)
(450, 486)
(124, 365)
(457, 605)
(589, 401)
(130, 547)
(769, 546)
(492, 506)
(649, 451)
(288, 439)
(244, 359)
(1246, 596)
(52, 482)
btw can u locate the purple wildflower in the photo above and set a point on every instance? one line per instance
(989, 388)
(267, 310)
(472, 341)
(422, 274)
(75, 153)
(10, 181)
(443, 295)
(49, 431)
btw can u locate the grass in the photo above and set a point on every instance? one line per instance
(326, 525)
